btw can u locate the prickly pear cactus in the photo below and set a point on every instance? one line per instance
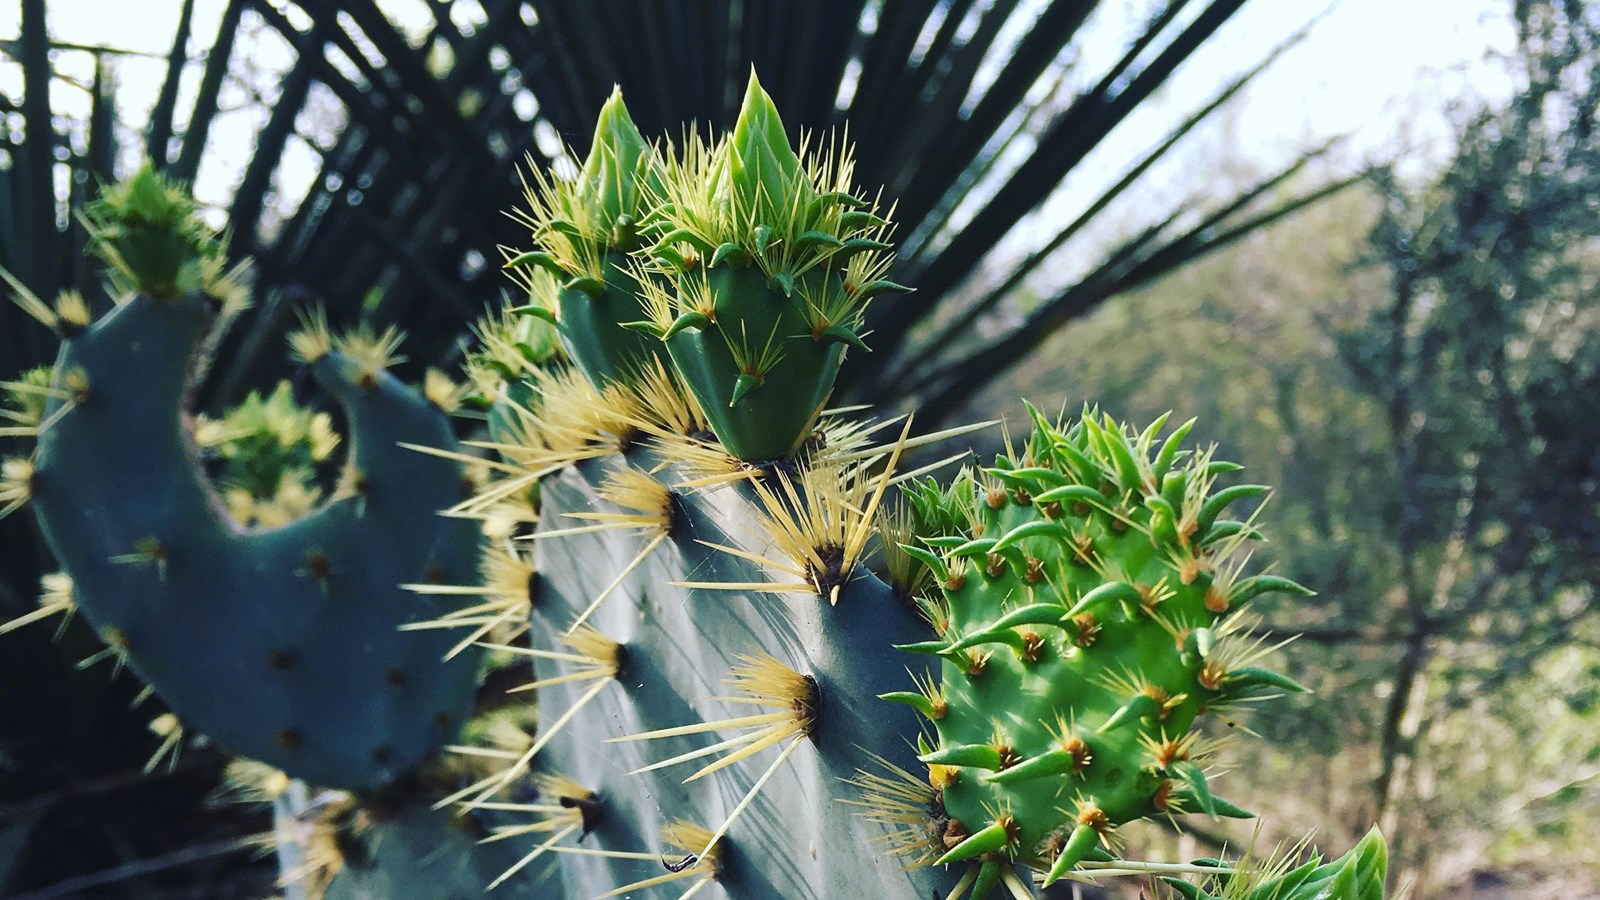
(280, 644)
(1088, 610)
(724, 708)
(677, 570)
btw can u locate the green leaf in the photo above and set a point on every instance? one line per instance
(762, 168)
(619, 160)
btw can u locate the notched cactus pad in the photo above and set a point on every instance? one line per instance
(282, 644)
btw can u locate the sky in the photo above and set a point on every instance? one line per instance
(1379, 71)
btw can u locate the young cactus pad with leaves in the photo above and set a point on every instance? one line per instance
(583, 231)
(1088, 605)
(766, 262)
(282, 644)
(1358, 875)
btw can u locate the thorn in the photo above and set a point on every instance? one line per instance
(1137, 707)
(785, 283)
(1083, 839)
(840, 334)
(986, 840)
(732, 254)
(1056, 762)
(913, 699)
(745, 383)
(979, 756)
(859, 220)
(1105, 593)
(536, 311)
(696, 320)
(588, 284)
(1037, 528)
(537, 258)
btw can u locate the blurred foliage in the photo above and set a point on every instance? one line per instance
(1418, 368)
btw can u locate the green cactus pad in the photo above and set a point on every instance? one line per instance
(769, 262)
(1087, 618)
(281, 645)
(582, 231)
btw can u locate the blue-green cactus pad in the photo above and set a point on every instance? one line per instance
(280, 645)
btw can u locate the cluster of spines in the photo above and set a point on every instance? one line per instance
(1087, 611)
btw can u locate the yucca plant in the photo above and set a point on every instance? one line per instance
(429, 124)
